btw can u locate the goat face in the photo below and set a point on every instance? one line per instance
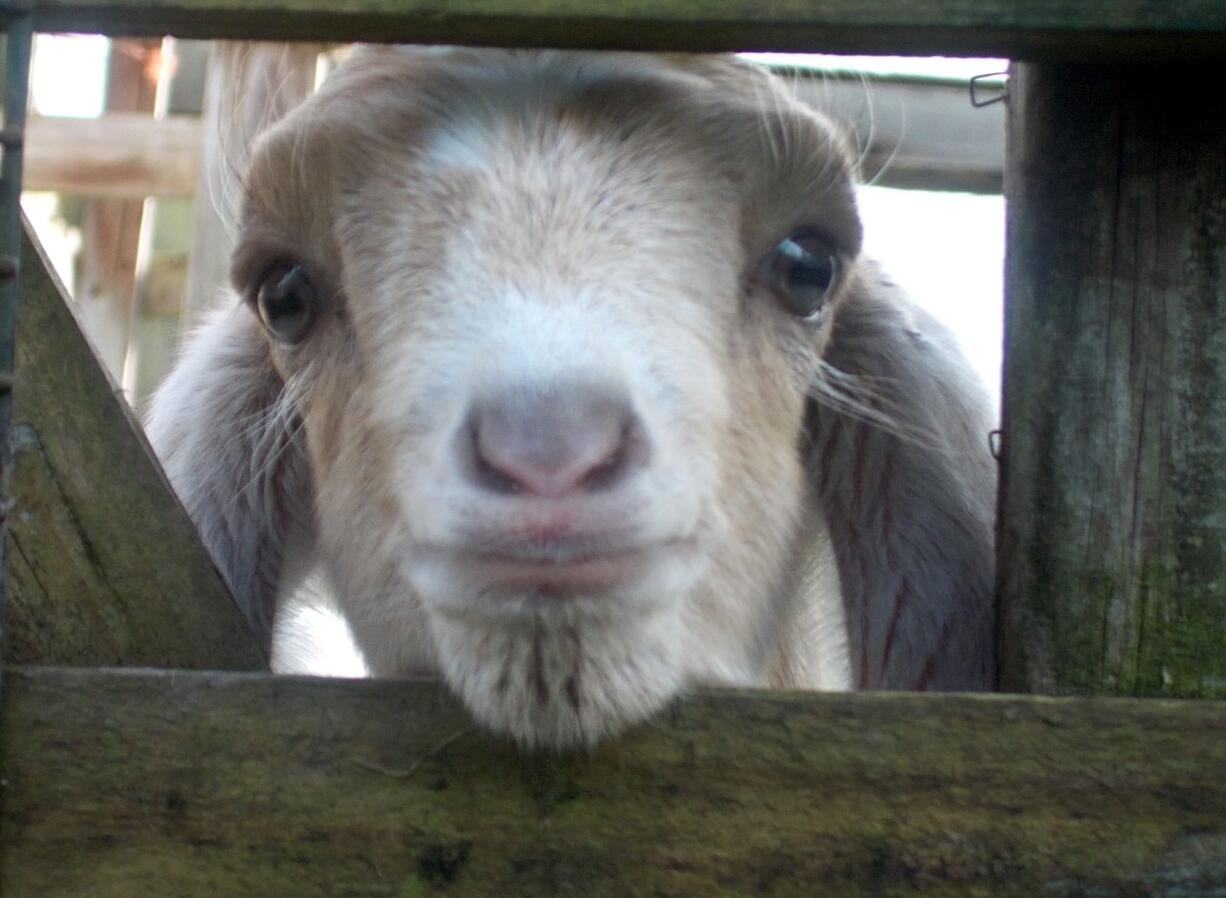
(549, 323)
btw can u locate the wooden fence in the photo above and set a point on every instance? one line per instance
(1112, 566)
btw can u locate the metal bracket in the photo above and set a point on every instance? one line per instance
(1000, 96)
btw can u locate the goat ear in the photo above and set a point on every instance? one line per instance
(899, 458)
(232, 446)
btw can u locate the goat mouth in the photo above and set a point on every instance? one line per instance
(557, 569)
(576, 574)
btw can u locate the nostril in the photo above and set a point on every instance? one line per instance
(487, 475)
(552, 443)
(610, 469)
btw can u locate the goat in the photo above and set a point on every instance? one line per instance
(567, 372)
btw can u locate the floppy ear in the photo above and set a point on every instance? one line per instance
(908, 487)
(232, 445)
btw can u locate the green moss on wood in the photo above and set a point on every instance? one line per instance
(104, 565)
(204, 785)
(1112, 559)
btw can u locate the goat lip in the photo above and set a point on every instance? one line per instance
(552, 545)
(586, 574)
(557, 570)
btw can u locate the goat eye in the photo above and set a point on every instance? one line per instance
(286, 302)
(802, 269)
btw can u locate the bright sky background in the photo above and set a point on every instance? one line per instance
(66, 74)
(945, 68)
(948, 250)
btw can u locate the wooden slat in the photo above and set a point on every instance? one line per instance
(104, 565)
(118, 155)
(111, 228)
(1037, 28)
(1113, 536)
(160, 783)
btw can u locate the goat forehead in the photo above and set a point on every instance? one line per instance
(410, 137)
(561, 179)
(551, 251)
(562, 127)
(513, 193)
(468, 108)
(466, 83)
(506, 249)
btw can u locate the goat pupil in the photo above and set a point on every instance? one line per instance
(286, 303)
(803, 276)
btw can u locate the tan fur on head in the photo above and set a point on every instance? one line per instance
(552, 431)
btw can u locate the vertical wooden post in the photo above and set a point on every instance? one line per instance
(1112, 549)
(15, 51)
(165, 240)
(111, 227)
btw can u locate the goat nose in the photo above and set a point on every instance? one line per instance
(553, 441)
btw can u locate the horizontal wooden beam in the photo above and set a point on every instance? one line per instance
(171, 783)
(117, 155)
(1080, 29)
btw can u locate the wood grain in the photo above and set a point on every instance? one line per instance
(1113, 535)
(117, 155)
(163, 783)
(105, 566)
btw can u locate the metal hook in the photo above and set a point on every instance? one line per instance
(995, 437)
(1002, 93)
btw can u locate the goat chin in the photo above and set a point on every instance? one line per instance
(565, 375)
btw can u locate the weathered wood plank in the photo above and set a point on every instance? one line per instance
(117, 155)
(1038, 28)
(162, 783)
(1113, 534)
(106, 568)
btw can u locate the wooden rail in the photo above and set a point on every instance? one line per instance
(1082, 29)
(174, 783)
(119, 155)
